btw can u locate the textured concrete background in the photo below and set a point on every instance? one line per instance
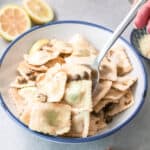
(135, 136)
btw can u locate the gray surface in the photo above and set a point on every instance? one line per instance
(135, 136)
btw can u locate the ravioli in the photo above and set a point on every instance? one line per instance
(73, 70)
(103, 103)
(80, 124)
(52, 63)
(80, 60)
(124, 83)
(78, 95)
(40, 57)
(32, 94)
(124, 103)
(47, 118)
(19, 102)
(17, 84)
(54, 87)
(108, 70)
(61, 46)
(118, 55)
(82, 47)
(26, 115)
(114, 94)
(102, 89)
(42, 68)
(53, 70)
(97, 124)
(24, 68)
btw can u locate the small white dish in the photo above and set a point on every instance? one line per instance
(64, 30)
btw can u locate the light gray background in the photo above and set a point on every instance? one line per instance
(135, 136)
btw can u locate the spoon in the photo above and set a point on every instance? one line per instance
(119, 30)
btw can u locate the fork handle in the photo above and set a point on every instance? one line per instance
(119, 30)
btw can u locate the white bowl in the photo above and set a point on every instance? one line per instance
(64, 30)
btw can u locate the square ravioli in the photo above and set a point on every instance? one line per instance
(80, 124)
(102, 89)
(124, 83)
(124, 103)
(78, 95)
(50, 118)
(108, 70)
(53, 83)
(81, 46)
(97, 124)
(118, 55)
(18, 101)
(76, 71)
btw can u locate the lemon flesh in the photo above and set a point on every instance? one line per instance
(13, 21)
(39, 11)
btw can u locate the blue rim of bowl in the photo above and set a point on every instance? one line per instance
(138, 51)
(76, 140)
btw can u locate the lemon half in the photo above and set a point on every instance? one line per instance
(13, 21)
(39, 11)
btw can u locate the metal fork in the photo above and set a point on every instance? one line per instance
(119, 30)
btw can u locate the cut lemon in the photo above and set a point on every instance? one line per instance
(13, 22)
(38, 45)
(39, 11)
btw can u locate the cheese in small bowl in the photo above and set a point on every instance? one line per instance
(144, 44)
